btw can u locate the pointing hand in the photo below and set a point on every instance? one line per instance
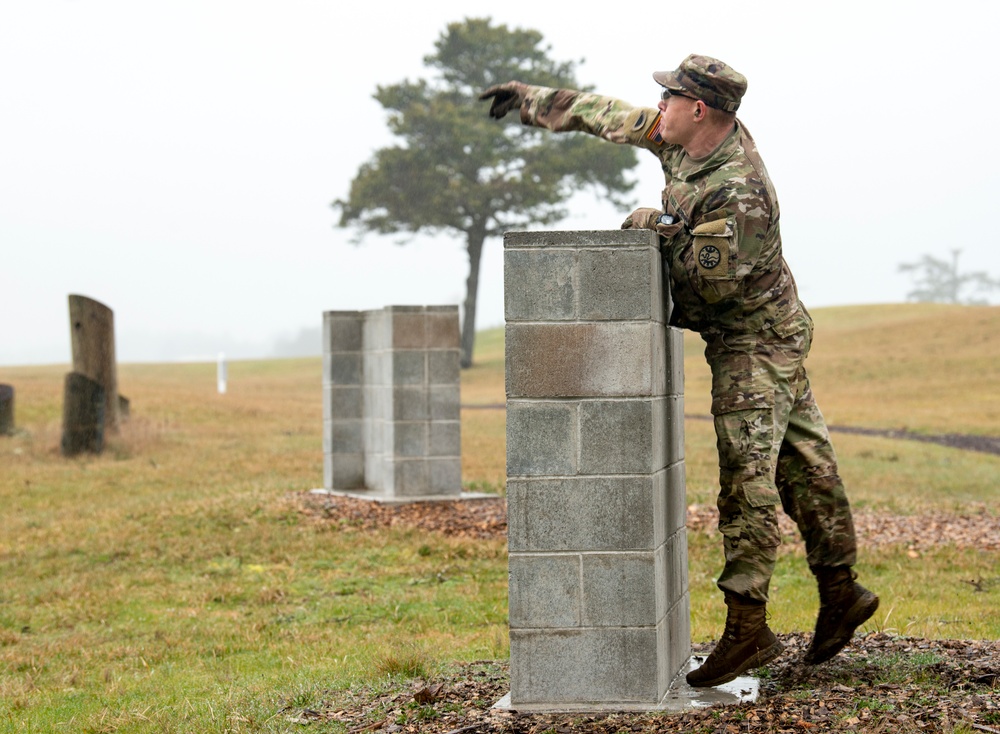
(505, 97)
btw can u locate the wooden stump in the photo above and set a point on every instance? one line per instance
(84, 402)
(92, 330)
(6, 410)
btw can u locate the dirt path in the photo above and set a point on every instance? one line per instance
(963, 441)
(966, 442)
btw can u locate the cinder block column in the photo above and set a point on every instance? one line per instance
(391, 402)
(599, 607)
(343, 427)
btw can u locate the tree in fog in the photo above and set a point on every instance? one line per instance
(455, 170)
(939, 281)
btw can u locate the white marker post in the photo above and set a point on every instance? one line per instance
(221, 373)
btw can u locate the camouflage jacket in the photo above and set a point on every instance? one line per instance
(727, 273)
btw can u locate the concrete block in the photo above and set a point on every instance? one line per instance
(581, 360)
(341, 402)
(410, 403)
(673, 440)
(376, 334)
(541, 438)
(444, 438)
(660, 358)
(343, 471)
(583, 514)
(616, 437)
(342, 331)
(409, 327)
(676, 559)
(617, 284)
(445, 475)
(376, 442)
(619, 590)
(544, 590)
(443, 331)
(443, 367)
(581, 239)
(661, 591)
(443, 403)
(581, 666)
(411, 477)
(373, 369)
(676, 496)
(665, 671)
(539, 285)
(382, 477)
(674, 365)
(342, 368)
(679, 641)
(660, 508)
(343, 436)
(372, 401)
(409, 367)
(662, 437)
(410, 438)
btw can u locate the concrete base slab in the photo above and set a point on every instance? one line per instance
(680, 697)
(392, 500)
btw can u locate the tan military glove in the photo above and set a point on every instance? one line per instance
(642, 218)
(506, 97)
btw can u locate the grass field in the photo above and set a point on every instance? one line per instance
(171, 584)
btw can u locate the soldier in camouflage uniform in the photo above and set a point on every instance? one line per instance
(721, 246)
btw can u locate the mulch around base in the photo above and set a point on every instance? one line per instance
(879, 683)
(487, 518)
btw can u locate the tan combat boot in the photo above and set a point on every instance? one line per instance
(844, 605)
(747, 643)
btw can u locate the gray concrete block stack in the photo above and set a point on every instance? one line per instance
(391, 402)
(599, 606)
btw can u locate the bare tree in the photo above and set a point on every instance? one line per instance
(939, 281)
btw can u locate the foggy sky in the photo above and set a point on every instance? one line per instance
(176, 160)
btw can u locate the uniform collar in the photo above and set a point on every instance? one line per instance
(689, 167)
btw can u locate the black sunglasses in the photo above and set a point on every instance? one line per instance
(666, 94)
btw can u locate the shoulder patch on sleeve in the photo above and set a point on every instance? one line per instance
(638, 124)
(636, 120)
(652, 134)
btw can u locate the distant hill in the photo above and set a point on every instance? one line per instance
(925, 367)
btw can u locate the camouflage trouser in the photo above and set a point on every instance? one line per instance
(773, 446)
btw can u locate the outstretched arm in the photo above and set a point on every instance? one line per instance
(563, 110)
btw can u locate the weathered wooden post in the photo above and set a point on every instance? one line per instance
(84, 403)
(92, 332)
(6, 410)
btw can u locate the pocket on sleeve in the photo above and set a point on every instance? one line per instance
(715, 249)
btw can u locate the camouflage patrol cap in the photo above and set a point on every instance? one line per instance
(708, 79)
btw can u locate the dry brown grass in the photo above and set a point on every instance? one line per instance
(929, 368)
(171, 578)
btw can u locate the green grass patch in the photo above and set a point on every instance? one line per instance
(172, 585)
